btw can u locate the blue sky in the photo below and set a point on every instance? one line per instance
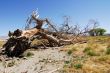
(13, 13)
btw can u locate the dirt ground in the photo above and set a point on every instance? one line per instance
(49, 60)
(90, 57)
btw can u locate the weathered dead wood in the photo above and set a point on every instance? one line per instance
(16, 46)
(20, 40)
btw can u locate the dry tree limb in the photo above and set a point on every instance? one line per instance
(20, 40)
(55, 70)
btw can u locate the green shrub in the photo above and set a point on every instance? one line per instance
(78, 66)
(28, 54)
(86, 49)
(108, 51)
(67, 62)
(69, 52)
(91, 53)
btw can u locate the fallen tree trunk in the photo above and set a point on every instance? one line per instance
(17, 44)
(20, 40)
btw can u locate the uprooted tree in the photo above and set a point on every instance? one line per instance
(20, 40)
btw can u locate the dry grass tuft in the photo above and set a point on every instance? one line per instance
(28, 54)
(90, 57)
(1, 43)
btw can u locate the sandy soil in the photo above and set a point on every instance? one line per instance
(49, 60)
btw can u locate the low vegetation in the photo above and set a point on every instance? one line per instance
(108, 51)
(10, 64)
(28, 54)
(78, 66)
(69, 52)
(90, 57)
(1, 43)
